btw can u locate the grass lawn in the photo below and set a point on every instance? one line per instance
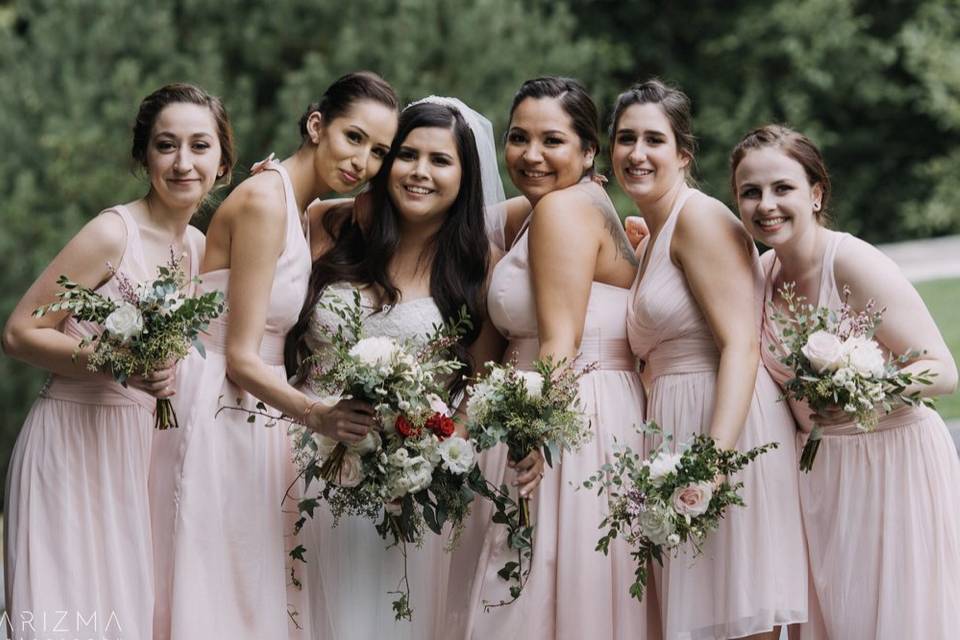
(943, 300)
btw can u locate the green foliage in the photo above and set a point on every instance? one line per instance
(941, 298)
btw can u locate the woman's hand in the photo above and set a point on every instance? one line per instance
(158, 383)
(347, 421)
(529, 472)
(637, 230)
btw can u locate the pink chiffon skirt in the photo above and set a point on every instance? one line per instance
(882, 516)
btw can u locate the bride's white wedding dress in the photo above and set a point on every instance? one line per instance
(348, 567)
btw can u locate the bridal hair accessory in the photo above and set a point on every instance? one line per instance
(493, 195)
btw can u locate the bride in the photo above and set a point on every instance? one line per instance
(417, 249)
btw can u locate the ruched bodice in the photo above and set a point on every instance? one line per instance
(513, 312)
(772, 348)
(665, 325)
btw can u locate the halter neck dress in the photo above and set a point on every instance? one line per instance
(881, 509)
(752, 574)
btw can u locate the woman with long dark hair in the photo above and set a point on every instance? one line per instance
(416, 249)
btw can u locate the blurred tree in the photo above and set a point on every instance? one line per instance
(874, 84)
(74, 71)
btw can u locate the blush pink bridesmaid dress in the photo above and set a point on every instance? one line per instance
(881, 511)
(225, 491)
(573, 592)
(752, 574)
(77, 539)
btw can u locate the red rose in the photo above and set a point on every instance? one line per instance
(404, 427)
(441, 425)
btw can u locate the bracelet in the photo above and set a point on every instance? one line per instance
(306, 412)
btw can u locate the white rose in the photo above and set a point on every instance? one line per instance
(369, 444)
(662, 464)
(692, 499)
(351, 471)
(865, 356)
(457, 454)
(399, 457)
(125, 322)
(824, 351)
(656, 525)
(374, 351)
(533, 382)
(673, 540)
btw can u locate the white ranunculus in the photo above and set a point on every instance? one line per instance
(374, 351)
(673, 540)
(497, 375)
(865, 355)
(399, 457)
(533, 382)
(656, 525)
(692, 499)
(416, 476)
(369, 444)
(125, 322)
(824, 351)
(457, 454)
(662, 464)
(351, 471)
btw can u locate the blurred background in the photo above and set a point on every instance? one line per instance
(876, 84)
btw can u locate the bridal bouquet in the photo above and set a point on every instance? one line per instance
(670, 499)
(414, 472)
(527, 411)
(837, 364)
(152, 324)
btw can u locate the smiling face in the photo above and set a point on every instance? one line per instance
(543, 152)
(776, 201)
(183, 155)
(425, 176)
(645, 156)
(350, 149)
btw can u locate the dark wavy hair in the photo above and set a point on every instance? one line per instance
(459, 251)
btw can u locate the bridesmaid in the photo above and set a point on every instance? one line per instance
(694, 319)
(880, 509)
(77, 534)
(561, 291)
(222, 565)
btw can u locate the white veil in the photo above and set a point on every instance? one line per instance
(495, 211)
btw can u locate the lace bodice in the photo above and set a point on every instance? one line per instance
(413, 320)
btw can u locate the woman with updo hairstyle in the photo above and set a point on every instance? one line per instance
(561, 292)
(227, 486)
(880, 508)
(77, 519)
(694, 319)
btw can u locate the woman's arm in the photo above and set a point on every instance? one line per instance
(716, 256)
(907, 324)
(256, 220)
(39, 342)
(564, 245)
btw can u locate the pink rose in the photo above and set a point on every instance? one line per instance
(824, 351)
(692, 499)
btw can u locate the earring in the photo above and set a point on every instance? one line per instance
(220, 173)
(816, 206)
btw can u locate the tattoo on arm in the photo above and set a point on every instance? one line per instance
(611, 221)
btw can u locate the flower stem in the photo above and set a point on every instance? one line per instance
(809, 453)
(164, 415)
(330, 471)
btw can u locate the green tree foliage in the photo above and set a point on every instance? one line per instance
(74, 71)
(875, 84)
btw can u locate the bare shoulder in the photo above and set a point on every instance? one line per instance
(705, 220)
(862, 266)
(258, 199)
(104, 235)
